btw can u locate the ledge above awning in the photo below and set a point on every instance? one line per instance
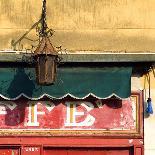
(78, 82)
(140, 62)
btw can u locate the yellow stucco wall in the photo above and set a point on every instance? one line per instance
(104, 25)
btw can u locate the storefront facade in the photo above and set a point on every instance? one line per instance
(89, 109)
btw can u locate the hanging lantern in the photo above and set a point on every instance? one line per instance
(45, 58)
(45, 55)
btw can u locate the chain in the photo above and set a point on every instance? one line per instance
(43, 31)
(42, 28)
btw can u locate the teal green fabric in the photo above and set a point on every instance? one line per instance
(79, 82)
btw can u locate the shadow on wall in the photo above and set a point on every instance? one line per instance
(21, 83)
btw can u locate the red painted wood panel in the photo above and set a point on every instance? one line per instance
(89, 151)
(138, 150)
(112, 151)
(57, 151)
(9, 151)
(72, 141)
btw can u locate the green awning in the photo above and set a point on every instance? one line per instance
(78, 82)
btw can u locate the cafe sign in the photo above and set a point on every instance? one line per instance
(69, 117)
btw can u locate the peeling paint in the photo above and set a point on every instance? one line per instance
(130, 141)
(36, 117)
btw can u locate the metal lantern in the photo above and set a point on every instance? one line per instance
(46, 62)
(45, 55)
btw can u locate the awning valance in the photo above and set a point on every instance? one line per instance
(78, 82)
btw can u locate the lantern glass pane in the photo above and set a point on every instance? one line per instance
(46, 68)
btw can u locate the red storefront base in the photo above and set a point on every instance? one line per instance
(71, 145)
(129, 142)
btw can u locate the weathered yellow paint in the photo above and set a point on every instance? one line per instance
(103, 25)
(71, 113)
(32, 113)
(13, 152)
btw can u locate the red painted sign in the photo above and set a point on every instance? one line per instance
(96, 115)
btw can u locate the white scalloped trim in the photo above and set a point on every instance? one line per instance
(52, 97)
